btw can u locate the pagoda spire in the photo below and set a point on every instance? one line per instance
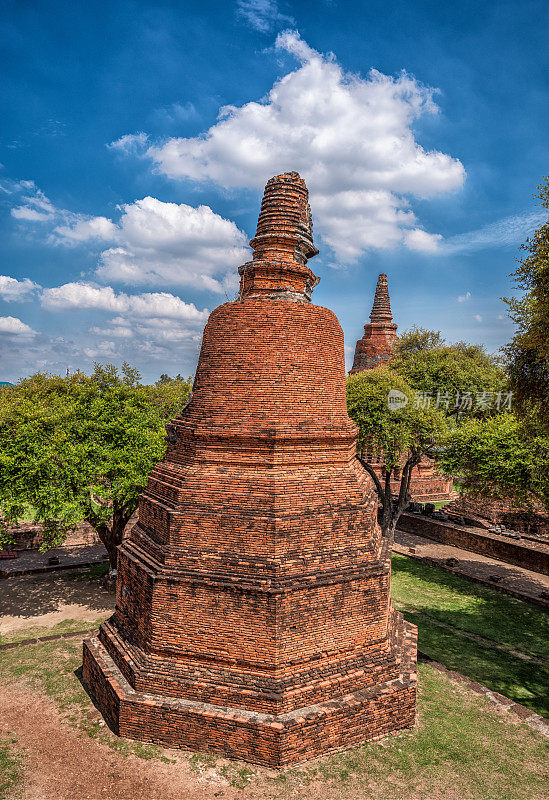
(282, 244)
(253, 613)
(381, 308)
(377, 345)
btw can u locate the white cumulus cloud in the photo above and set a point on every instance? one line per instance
(118, 331)
(65, 226)
(13, 290)
(349, 136)
(80, 229)
(464, 297)
(169, 243)
(152, 242)
(130, 143)
(104, 349)
(12, 326)
(85, 295)
(36, 207)
(422, 241)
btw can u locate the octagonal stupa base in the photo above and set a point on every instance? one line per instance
(270, 740)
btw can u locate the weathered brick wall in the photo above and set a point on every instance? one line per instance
(530, 555)
(500, 511)
(29, 535)
(272, 493)
(427, 485)
(252, 736)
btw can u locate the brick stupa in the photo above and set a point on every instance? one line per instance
(377, 345)
(374, 350)
(253, 615)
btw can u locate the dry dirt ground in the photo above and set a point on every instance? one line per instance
(62, 763)
(460, 748)
(42, 601)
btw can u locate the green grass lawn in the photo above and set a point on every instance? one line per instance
(461, 747)
(446, 608)
(11, 769)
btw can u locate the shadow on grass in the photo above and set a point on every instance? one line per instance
(433, 599)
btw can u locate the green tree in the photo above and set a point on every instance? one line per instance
(170, 395)
(416, 340)
(528, 352)
(498, 458)
(459, 377)
(81, 448)
(393, 435)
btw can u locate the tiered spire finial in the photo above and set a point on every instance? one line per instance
(377, 345)
(282, 244)
(381, 308)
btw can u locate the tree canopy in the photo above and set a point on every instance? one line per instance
(416, 340)
(528, 351)
(454, 378)
(498, 458)
(81, 448)
(395, 430)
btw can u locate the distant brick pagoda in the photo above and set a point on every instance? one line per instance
(377, 345)
(374, 350)
(253, 614)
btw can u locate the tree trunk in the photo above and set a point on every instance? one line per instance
(112, 550)
(112, 536)
(389, 514)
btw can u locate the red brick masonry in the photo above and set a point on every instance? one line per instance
(29, 535)
(495, 511)
(253, 612)
(427, 485)
(378, 343)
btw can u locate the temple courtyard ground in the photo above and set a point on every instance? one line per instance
(54, 744)
(508, 578)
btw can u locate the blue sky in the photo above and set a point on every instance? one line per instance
(136, 138)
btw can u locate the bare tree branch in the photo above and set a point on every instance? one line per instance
(374, 477)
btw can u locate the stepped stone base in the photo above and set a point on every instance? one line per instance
(268, 739)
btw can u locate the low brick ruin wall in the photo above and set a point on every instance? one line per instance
(28, 536)
(531, 555)
(493, 511)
